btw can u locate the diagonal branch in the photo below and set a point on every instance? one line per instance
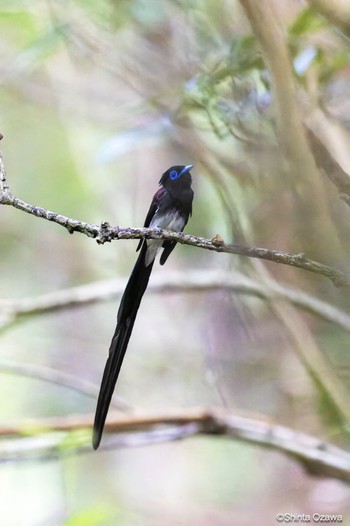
(318, 457)
(336, 11)
(53, 376)
(106, 233)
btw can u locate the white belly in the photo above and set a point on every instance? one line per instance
(172, 221)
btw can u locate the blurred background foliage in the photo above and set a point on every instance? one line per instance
(97, 100)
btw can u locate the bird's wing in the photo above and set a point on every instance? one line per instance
(152, 210)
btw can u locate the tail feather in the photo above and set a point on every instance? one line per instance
(127, 312)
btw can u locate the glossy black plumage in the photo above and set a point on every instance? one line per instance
(170, 209)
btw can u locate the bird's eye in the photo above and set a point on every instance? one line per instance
(173, 175)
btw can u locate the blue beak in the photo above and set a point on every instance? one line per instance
(186, 169)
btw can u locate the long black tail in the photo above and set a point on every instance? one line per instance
(127, 312)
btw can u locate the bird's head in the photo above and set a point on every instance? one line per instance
(177, 176)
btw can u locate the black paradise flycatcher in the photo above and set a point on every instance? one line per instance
(170, 209)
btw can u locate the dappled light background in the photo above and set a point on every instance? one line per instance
(97, 100)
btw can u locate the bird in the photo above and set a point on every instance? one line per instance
(170, 209)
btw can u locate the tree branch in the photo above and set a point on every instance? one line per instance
(174, 282)
(269, 31)
(68, 381)
(106, 233)
(326, 141)
(318, 457)
(336, 11)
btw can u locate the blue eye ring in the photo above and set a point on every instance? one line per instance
(173, 175)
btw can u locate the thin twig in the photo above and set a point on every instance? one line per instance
(326, 160)
(317, 456)
(3, 182)
(60, 378)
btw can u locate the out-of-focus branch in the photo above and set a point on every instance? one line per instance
(329, 145)
(174, 282)
(268, 29)
(269, 32)
(336, 11)
(60, 378)
(316, 362)
(304, 345)
(317, 456)
(106, 233)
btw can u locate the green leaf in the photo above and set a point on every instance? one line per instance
(306, 22)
